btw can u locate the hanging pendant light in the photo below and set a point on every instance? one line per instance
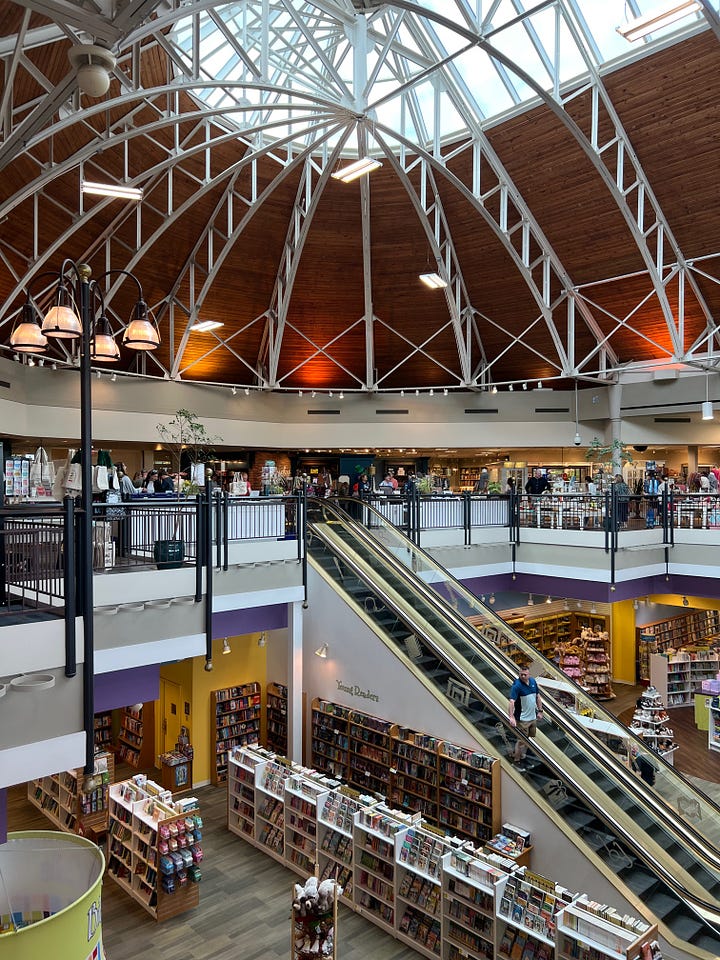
(61, 320)
(141, 333)
(27, 337)
(104, 349)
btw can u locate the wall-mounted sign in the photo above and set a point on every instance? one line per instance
(356, 691)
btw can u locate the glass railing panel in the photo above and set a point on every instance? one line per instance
(565, 746)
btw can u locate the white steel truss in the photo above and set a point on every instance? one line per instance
(289, 81)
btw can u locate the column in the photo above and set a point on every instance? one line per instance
(295, 682)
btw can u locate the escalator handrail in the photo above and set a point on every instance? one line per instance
(561, 716)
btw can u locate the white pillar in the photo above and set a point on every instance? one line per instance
(614, 401)
(295, 682)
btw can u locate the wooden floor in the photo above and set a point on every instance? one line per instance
(244, 911)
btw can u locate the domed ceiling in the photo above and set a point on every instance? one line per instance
(559, 181)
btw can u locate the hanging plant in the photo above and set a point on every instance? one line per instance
(614, 452)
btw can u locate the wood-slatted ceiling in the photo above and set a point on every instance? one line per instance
(667, 103)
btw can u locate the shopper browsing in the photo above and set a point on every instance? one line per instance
(524, 709)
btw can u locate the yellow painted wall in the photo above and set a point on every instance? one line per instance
(623, 641)
(246, 662)
(675, 600)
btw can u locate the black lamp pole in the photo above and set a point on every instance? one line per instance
(86, 540)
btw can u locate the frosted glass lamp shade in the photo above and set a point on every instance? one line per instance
(141, 333)
(27, 337)
(62, 322)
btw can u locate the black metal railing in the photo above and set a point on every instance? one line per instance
(32, 560)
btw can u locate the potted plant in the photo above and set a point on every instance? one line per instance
(185, 437)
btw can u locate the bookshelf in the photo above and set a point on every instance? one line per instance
(679, 675)
(589, 929)
(469, 797)
(276, 717)
(714, 725)
(330, 740)
(698, 627)
(442, 896)
(136, 740)
(598, 677)
(451, 786)
(368, 752)
(336, 814)
(468, 907)
(418, 854)
(61, 799)
(154, 847)
(302, 797)
(235, 721)
(102, 730)
(413, 771)
(374, 834)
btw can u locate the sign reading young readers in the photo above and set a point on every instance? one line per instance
(354, 690)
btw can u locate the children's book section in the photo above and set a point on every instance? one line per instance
(441, 894)
(154, 846)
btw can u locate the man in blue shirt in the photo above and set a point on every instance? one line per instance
(524, 709)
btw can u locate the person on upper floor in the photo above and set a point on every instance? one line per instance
(510, 486)
(536, 484)
(165, 483)
(127, 487)
(386, 485)
(393, 478)
(590, 486)
(361, 486)
(651, 486)
(150, 483)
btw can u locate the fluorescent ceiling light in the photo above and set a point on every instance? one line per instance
(433, 280)
(202, 326)
(357, 169)
(111, 190)
(641, 26)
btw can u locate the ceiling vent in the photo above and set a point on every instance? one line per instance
(93, 66)
(665, 375)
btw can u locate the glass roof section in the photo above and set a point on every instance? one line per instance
(429, 70)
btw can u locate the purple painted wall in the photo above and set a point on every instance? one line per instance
(590, 590)
(3, 815)
(236, 623)
(123, 687)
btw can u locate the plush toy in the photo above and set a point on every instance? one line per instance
(325, 892)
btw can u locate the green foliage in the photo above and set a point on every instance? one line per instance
(424, 485)
(614, 452)
(494, 487)
(185, 432)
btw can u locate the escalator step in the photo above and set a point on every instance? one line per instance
(687, 926)
(639, 881)
(661, 904)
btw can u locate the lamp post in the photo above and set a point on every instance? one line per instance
(98, 344)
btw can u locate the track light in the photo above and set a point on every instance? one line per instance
(494, 389)
(432, 392)
(208, 666)
(445, 391)
(262, 639)
(686, 602)
(98, 374)
(548, 599)
(113, 377)
(234, 391)
(313, 394)
(566, 605)
(531, 600)
(636, 604)
(511, 387)
(226, 646)
(593, 608)
(482, 598)
(417, 393)
(492, 599)
(322, 652)
(539, 386)
(247, 391)
(402, 393)
(524, 386)
(341, 395)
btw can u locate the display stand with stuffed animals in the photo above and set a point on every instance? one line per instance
(314, 919)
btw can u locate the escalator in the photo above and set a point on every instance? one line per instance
(631, 831)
